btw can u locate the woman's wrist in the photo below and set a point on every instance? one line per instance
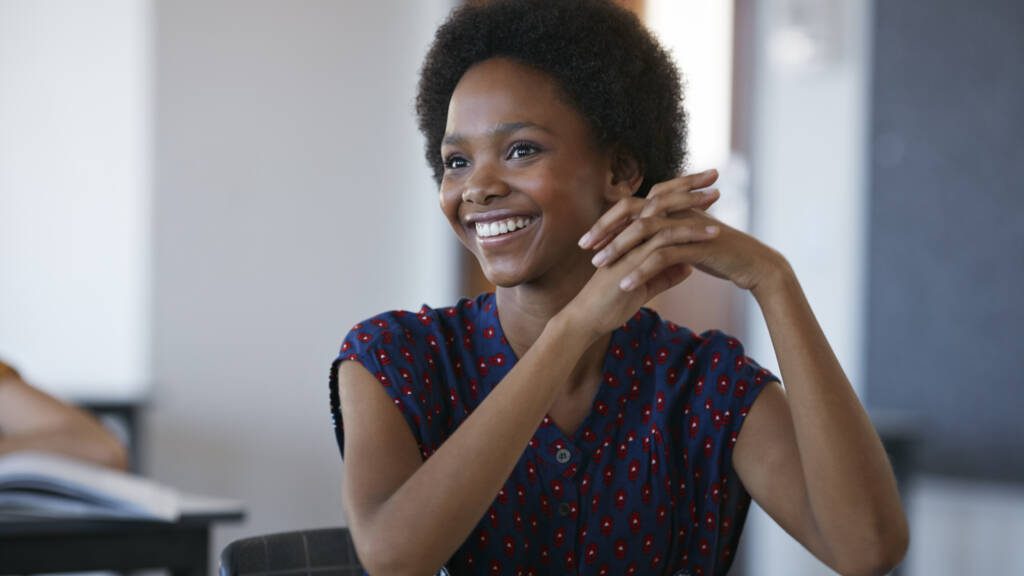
(568, 326)
(777, 277)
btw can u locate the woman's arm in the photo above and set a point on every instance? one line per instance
(810, 456)
(812, 460)
(33, 420)
(408, 516)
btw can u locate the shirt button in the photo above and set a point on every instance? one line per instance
(564, 508)
(563, 456)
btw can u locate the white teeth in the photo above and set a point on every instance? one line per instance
(486, 230)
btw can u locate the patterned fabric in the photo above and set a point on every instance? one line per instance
(644, 486)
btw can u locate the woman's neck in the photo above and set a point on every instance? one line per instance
(525, 310)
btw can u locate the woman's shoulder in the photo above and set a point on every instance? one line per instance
(672, 343)
(429, 325)
(647, 323)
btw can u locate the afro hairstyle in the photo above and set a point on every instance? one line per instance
(606, 62)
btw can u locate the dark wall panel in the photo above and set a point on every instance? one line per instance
(946, 270)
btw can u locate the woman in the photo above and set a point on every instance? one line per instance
(579, 432)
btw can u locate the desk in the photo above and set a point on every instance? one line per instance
(61, 545)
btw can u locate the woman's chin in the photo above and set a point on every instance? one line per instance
(503, 280)
(505, 277)
(512, 274)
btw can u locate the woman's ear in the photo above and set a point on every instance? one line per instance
(625, 175)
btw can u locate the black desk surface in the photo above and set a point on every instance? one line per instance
(29, 545)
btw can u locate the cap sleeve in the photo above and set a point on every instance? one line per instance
(392, 347)
(734, 382)
(731, 383)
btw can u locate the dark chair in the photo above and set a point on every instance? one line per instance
(323, 552)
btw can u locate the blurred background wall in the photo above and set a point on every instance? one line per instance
(807, 139)
(197, 199)
(291, 200)
(75, 192)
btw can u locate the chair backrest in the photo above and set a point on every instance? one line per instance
(306, 552)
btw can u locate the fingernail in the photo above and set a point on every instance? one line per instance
(711, 229)
(599, 258)
(585, 241)
(627, 283)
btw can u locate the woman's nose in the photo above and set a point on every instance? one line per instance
(483, 186)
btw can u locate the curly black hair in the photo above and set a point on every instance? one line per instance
(604, 59)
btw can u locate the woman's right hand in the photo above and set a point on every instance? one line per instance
(601, 306)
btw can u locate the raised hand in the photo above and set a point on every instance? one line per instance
(602, 304)
(683, 193)
(670, 229)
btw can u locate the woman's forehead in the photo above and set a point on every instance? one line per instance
(499, 94)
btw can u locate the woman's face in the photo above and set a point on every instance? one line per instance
(524, 178)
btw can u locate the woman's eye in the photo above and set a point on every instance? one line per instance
(454, 162)
(522, 150)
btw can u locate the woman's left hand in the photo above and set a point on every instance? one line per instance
(666, 237)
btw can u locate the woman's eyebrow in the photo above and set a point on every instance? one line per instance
(505, 129)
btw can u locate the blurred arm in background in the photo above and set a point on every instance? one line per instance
(33, 420)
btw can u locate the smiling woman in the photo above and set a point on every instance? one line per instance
(557, 425)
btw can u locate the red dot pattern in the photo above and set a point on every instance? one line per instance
(645, 484)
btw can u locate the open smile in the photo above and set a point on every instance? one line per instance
(498, 231)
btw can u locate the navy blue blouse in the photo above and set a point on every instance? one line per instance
(644, 486)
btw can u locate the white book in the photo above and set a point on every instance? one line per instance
(41, 485)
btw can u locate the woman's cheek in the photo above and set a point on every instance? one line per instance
(447, 199)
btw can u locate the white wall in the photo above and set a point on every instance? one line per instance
(809, 190)
(961, 527)
(699, 37)
(75, 194)
(291, 201)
